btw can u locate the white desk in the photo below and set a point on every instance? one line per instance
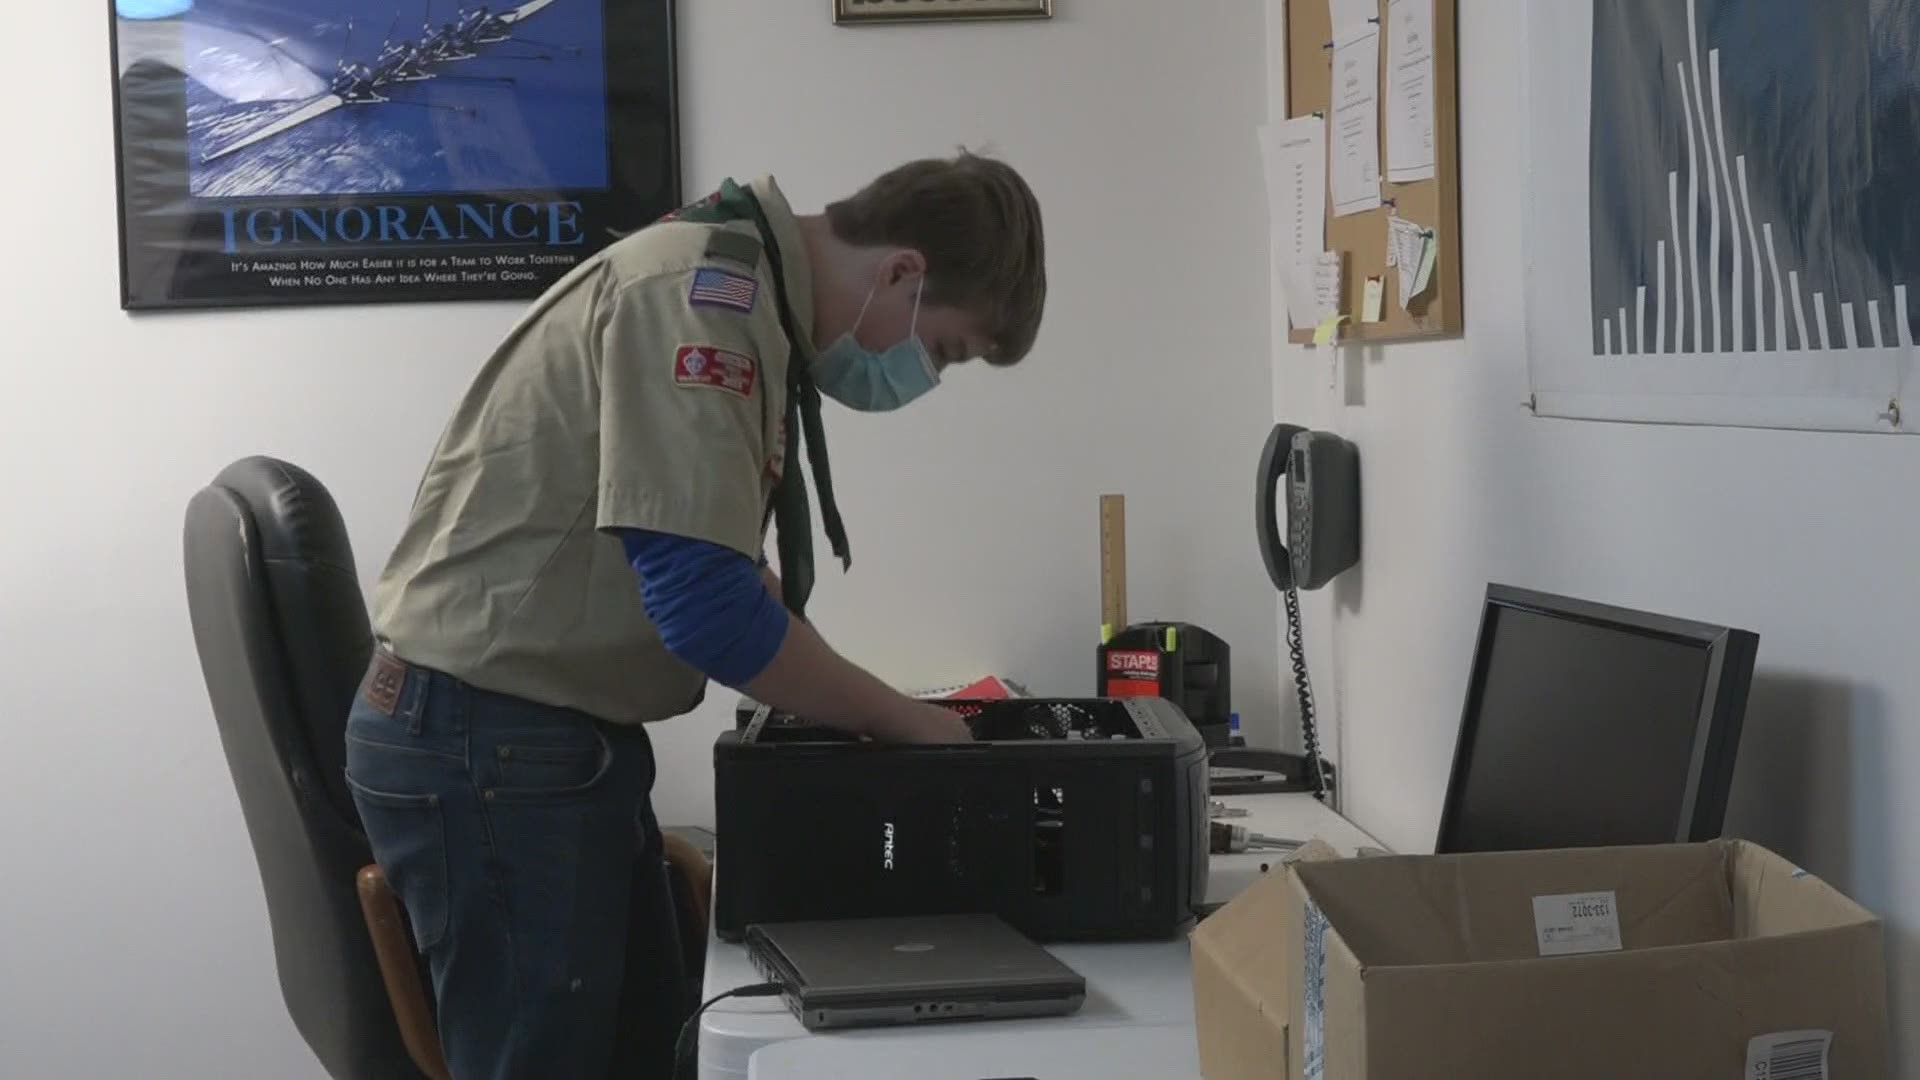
(1129, 985)
(1292, 817)
(1163, 1053)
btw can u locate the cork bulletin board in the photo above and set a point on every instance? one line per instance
(1362, 238)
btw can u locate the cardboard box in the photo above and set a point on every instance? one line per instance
(1717, 960)
(1240, 995)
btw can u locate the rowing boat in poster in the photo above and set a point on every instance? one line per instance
(398, 63)
(390, 96)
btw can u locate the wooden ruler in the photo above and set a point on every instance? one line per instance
(1113, 565)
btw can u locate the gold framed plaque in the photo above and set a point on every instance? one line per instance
(881, 11)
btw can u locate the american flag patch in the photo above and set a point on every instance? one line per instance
(723, 289)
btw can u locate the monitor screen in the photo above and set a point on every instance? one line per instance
(1580, 732)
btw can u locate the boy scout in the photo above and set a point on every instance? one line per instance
(584, 554)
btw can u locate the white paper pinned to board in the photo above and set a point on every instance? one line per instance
(1408, 244)
(1352, 14)
(1423, 276)
(1328, 281)
(1371, 305)
(1355, 161)
(1409, 109)
(1294, 153)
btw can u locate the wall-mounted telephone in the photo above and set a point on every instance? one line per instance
(1321, 473)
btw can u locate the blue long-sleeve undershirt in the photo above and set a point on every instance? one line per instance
(708, 601)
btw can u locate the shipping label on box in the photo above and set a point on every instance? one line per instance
(1576, 923)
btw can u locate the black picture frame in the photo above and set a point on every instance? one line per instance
(469, 187)
(861, 12)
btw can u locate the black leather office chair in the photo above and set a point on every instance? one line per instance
(284, 639)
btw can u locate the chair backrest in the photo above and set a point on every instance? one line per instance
(283, 636)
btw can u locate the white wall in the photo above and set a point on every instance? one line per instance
(1462, 487)
(135, 935)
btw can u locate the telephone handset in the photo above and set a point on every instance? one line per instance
(1321, 473)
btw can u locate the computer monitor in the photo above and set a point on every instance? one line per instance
(1591, 726)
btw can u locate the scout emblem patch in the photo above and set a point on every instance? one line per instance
(704, 365)
(723, 289)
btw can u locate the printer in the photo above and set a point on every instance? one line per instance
(1070, 818)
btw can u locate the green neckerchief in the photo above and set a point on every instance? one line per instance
(790, 510)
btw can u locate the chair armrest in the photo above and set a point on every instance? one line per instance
(393, 948)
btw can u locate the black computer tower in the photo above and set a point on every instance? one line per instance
(1072, 819)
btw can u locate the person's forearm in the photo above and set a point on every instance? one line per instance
(715, 617)
(809, 679)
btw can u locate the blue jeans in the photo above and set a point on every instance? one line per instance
(521, 840)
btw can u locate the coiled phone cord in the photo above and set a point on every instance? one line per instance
(1303, 687)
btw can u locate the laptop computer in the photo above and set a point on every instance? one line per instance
(863, 972)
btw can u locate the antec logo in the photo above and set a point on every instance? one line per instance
(886, 847)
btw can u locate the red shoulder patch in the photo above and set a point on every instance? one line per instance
(705, 365)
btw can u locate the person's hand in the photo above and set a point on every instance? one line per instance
(771, 580)
(923, 723)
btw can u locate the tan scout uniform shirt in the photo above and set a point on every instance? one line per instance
(636, 393)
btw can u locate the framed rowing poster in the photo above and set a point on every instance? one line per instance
(361, 151)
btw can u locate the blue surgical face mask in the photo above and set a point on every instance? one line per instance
(860, 378)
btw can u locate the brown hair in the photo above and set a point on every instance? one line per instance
(978, 226)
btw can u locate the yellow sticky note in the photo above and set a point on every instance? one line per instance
(1329, 326)
(1376, 298)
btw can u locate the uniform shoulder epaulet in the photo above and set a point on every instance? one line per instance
(729, 245)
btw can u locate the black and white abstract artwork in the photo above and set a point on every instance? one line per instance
(1743, 203)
